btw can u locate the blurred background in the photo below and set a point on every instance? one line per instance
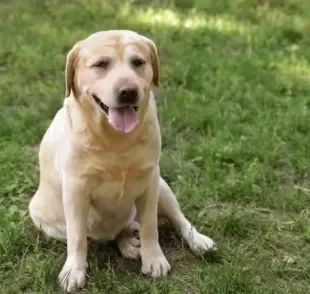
(234, 112)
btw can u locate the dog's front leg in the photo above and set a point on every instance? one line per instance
(76, 205)
(153, 260)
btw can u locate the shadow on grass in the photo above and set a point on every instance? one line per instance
(108, 256)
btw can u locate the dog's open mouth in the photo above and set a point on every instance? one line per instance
(105, 108)
(123, 118)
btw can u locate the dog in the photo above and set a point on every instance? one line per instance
(99, 159)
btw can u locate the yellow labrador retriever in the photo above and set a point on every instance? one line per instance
(99, 172)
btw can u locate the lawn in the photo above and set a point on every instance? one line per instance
(234, 112)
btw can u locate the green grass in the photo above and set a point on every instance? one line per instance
(234, 111)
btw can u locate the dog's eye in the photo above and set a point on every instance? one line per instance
(102, 63)
(137, 62)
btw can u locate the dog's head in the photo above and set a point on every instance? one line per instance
(112, 72)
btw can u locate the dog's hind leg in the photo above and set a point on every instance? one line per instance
(48, 215)
(169, 208)
(128, 241)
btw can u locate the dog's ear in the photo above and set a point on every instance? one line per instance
(155, 62)
(72, 58)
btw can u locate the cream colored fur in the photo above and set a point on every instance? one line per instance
(98, 182)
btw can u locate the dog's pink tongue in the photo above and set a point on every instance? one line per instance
(124, 118)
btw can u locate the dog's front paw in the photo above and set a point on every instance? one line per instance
(72, 277)
(200, 243)
(155, 265)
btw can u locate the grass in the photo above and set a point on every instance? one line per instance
(234, 111)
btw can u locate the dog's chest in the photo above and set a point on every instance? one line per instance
(118, 178)
(117, 192)
(115, 183)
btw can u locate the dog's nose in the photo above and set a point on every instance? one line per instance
(128, 95)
